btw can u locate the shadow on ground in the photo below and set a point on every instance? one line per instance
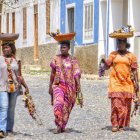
(23, 134)
(68, 130)
(109, 128)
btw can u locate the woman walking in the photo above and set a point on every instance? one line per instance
(64, 84)
(122, 89)
(10, 74)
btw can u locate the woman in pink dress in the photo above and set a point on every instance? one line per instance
(64, 85)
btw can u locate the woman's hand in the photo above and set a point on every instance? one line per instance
(51, 93)
(26, 90)
(103, 60)
(136, 86)
(50, 90)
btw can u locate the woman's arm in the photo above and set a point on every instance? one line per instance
(51, 80)
(24, 84)
(77, 74)
(51, 83)
(106, 66)
(78, 85)
(136, 82)
(22, 81)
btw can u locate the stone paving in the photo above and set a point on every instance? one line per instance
(89, 123)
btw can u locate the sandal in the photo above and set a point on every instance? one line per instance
(2, 134)
(121, 128)
(115, 129)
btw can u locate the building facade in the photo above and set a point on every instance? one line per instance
(80, 16)
(32, 20)
(93, 20)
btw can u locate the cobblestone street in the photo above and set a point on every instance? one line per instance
(89, 123)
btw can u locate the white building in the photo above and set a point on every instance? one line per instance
(112, 15)
(32, 19)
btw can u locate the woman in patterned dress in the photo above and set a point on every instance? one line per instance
(64, 85)
(121, 87)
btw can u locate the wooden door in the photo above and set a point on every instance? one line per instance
(36, 51)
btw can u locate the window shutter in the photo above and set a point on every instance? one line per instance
(13, 22)
(24, 23)
(47, 16)
(7, 22)
(36, 50)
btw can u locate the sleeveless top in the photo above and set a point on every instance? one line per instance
(4, 73)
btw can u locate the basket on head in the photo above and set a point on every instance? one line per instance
(62, 37)
(121, 35)
(124, 32)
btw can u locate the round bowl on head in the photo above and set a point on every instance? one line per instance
(62, 37)
(8, 36)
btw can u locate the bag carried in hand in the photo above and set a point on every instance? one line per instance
(79, 99)
(20, 92)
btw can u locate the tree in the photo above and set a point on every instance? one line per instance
(9, 3)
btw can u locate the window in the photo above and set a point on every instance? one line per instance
(25, 23)
(88, 21)
(47, 16)
(70, 15)
(7, 22)
(13, 22)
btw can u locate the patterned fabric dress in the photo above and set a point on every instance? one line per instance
(121, 88)
(64, 93)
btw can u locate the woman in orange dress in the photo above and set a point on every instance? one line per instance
(121, 87)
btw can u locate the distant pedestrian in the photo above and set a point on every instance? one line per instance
(123, 82)
(64, 82)
(10, 81)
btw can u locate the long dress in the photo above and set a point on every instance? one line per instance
(64, 93)
(121, 88)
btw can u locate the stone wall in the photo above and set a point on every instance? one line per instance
(46, 53)
(87, 57)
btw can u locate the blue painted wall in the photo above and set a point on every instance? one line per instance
(96, 20)
(79, 7)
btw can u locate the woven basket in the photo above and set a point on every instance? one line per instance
(62, 37)
(8, 37)
(121, 35)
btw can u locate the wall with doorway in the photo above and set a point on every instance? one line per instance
(137, 51)
(102, 29)
(135, 12)
(78, 17)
